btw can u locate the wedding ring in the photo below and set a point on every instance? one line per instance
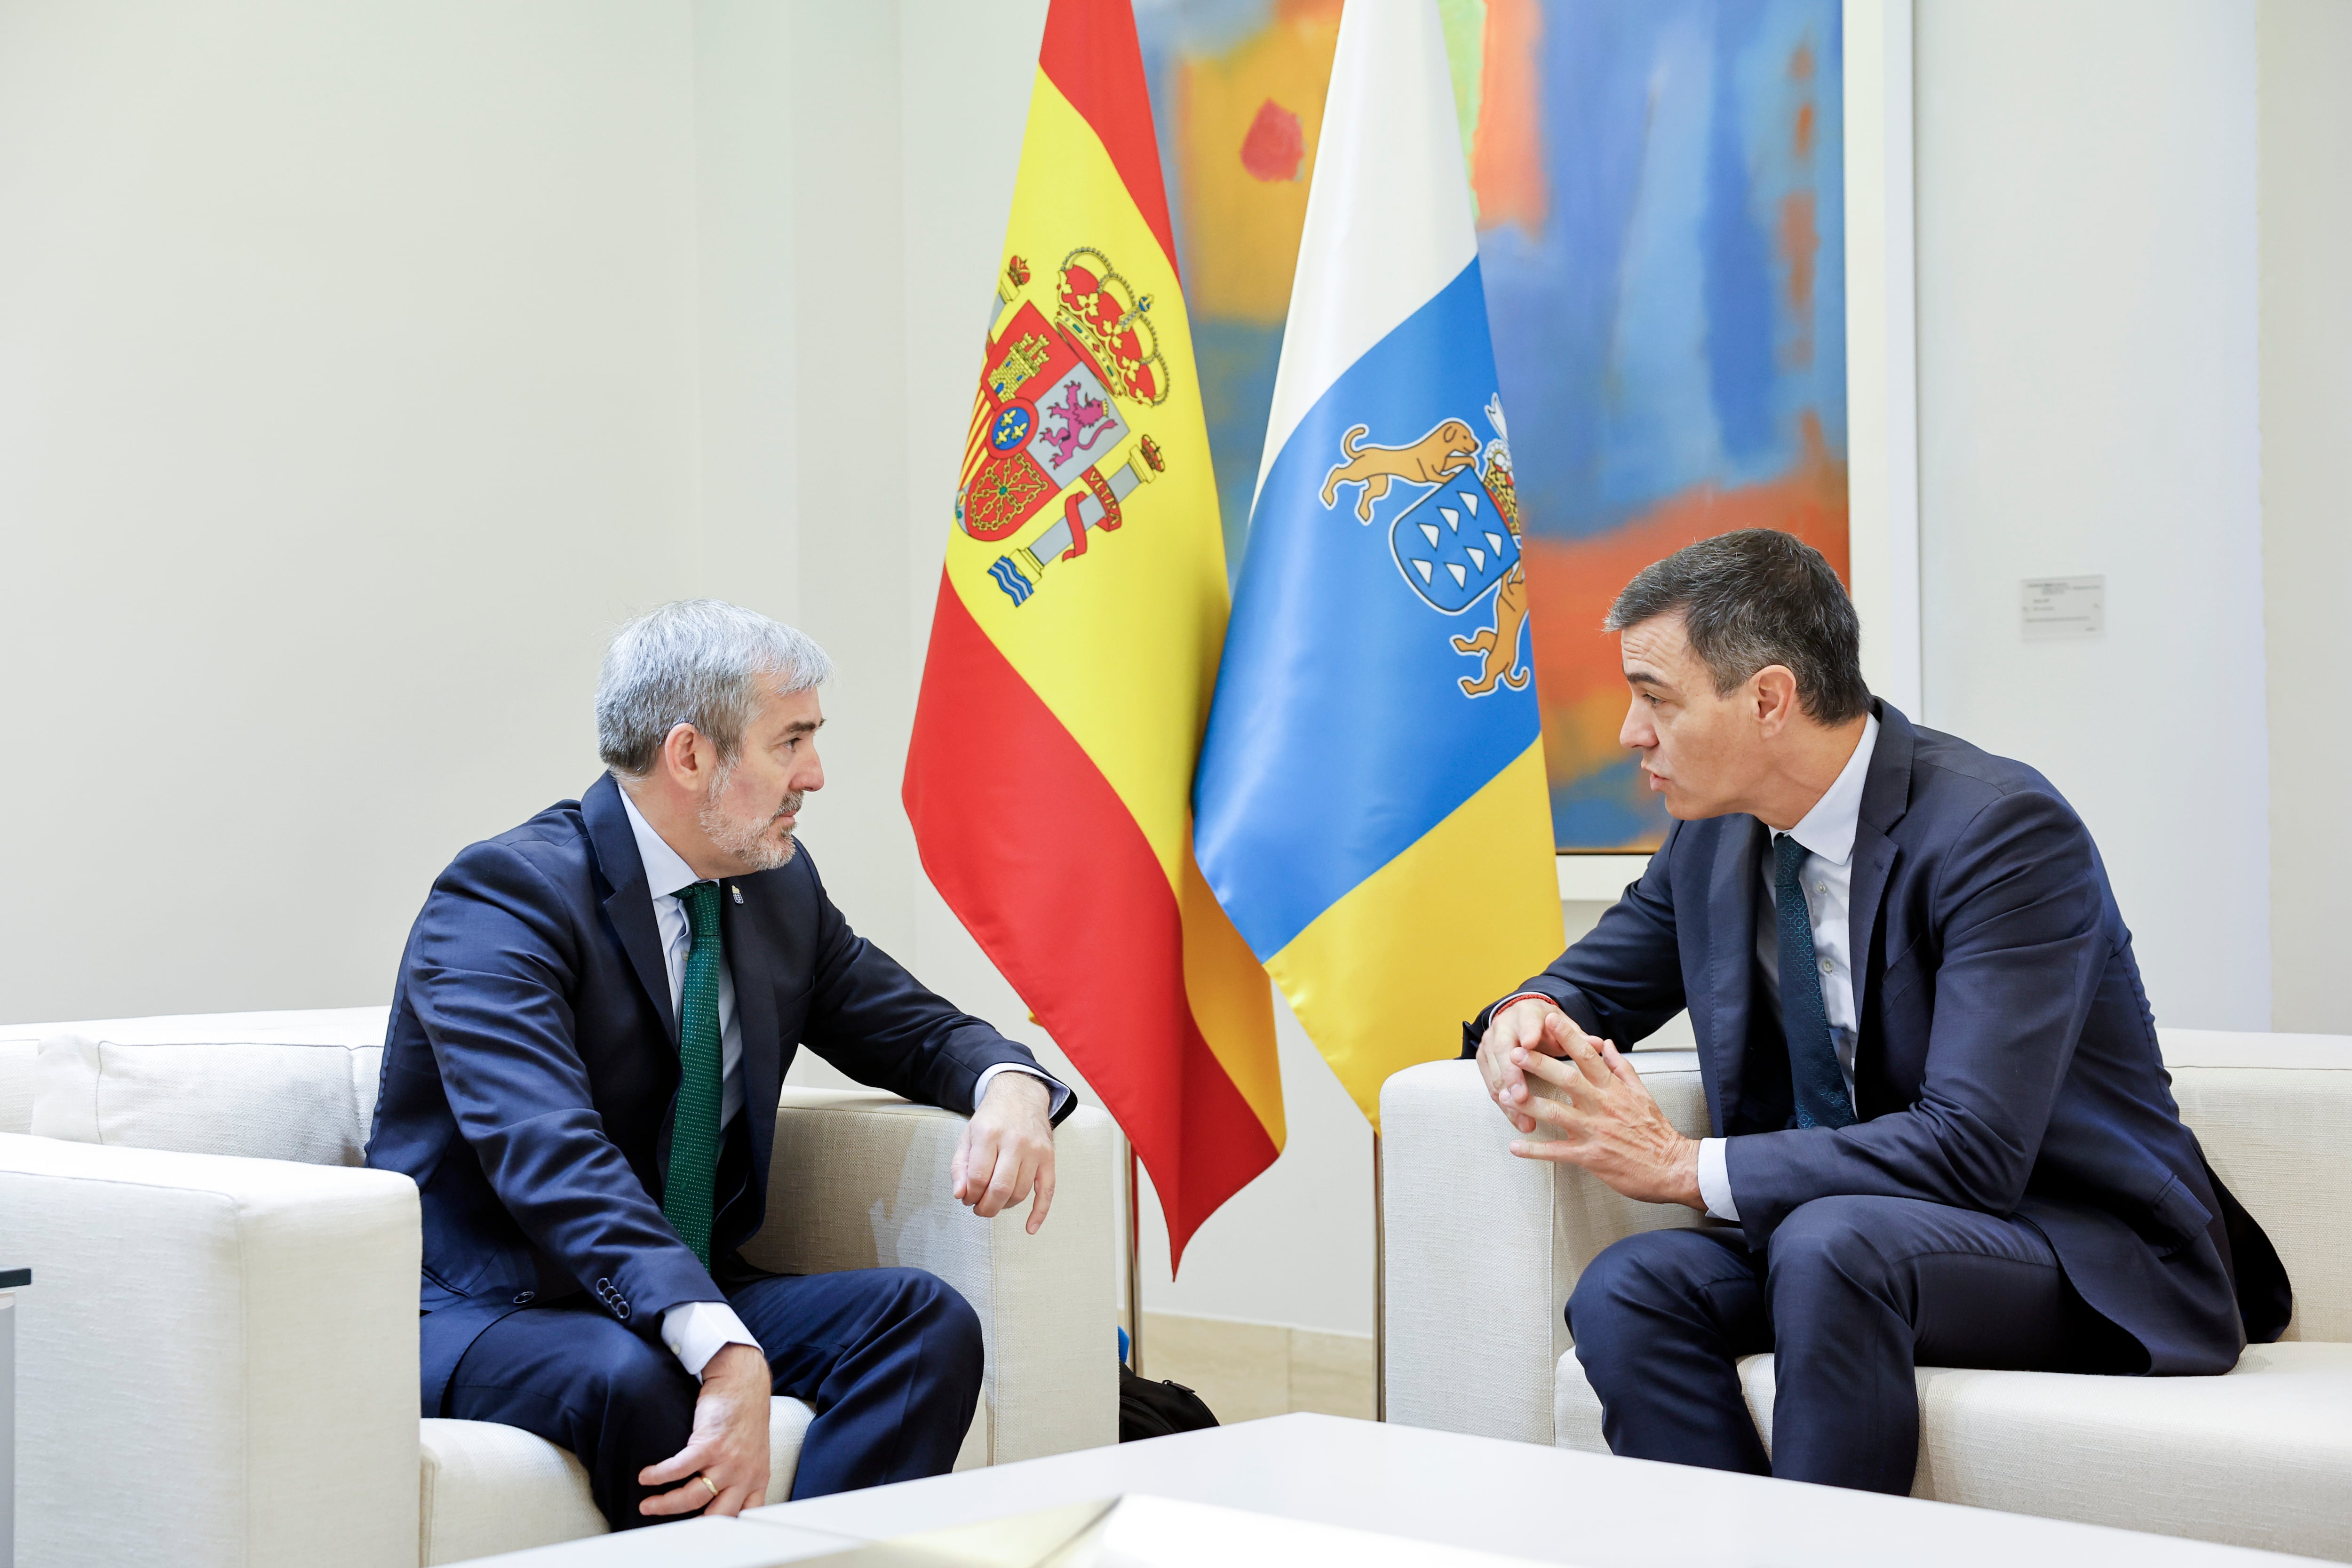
(706, 1481)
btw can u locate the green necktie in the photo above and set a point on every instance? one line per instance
(693, 1175)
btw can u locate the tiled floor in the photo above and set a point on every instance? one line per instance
(1244, 1371)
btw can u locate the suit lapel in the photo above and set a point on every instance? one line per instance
(753, 962)
(630, 905)
(1886, 796)
(1731, 955)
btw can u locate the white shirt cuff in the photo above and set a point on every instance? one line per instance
(1061, 1092)
(696, 1330)
(1715, 1180)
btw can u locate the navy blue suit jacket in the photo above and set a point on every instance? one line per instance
(531, 1064)
(2006, 1060)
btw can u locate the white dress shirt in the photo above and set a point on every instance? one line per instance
(1827, 876)
(696, 1330)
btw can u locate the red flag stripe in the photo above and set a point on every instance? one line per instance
(1091, 55)
(1030, 845)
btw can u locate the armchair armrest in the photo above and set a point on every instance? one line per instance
(1483, 1249)
(220, 1365)
(859, 1179)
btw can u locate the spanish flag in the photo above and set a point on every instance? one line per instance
(1074, 647)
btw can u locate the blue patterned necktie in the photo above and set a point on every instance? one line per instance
(693, 1174)
(1813, 1072)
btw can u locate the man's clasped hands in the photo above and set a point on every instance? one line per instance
(1600, 1114)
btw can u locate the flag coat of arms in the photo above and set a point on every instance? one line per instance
(1372, 804)
(1074, 647)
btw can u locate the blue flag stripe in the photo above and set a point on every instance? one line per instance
(1340, 733)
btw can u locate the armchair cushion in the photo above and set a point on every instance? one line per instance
(859, 1179)
(273, 1086)
(485, 1489)
(1483, 1248)
(2270, 1110)
(218, 1361)
(226, 1345)
(19, 1050)
(2257, 1458)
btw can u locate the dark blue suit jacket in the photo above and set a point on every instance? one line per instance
(531, 1064)
(2007, 1058)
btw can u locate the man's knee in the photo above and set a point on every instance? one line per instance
(633, 1378)
(1836, 1243)
(1632, 1281)
(923, 1298)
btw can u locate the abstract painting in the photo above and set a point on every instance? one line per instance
(1661, 221)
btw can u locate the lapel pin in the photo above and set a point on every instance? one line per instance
(736, 888)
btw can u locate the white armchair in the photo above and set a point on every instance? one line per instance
(219, 1365)
(1483, 1250)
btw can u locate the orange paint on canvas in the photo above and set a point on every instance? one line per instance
(1573, 582)
(1799, 243)
(1221, 103)
(1506, 153)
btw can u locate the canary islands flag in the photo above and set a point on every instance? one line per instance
(1371, 802)
(1074, 647)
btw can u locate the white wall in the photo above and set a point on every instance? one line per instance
(346, 400)
(2088, 402)
(2307, 240)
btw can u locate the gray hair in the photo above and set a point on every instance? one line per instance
(1754, 598)
(703, 662)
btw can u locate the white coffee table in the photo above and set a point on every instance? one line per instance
(1512, 1499)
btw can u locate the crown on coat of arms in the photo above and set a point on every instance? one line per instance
(1107, 318)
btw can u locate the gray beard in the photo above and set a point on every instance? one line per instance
(746, 838)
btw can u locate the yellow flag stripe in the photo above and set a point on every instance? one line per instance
(1386, 976)
(1230, 1005)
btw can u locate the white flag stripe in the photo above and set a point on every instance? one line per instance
(1389, 222)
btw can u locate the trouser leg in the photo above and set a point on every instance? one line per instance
(890, 1361)
(1661, 1319)
(618, 1400)
(1861, 1290)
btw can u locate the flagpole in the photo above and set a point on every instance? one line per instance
(1134, 1262)
(1379, 1291)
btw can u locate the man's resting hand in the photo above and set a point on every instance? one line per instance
(1007, 1150)
(730, 1445)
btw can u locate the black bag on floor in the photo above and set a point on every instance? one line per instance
(1148, 1409)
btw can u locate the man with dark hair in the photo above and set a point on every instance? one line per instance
(1946, 1136)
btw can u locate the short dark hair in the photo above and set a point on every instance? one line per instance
(1754, 598)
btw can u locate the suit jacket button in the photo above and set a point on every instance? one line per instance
(526, 1298)
(621, 1311)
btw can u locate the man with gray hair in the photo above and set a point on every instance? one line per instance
(594, 1014)
(1944, 1132)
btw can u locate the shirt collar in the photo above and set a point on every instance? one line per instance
(666, 870)
(1829, 828)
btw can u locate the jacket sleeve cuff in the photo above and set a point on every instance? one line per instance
(1574, 1005)
(696, 1330)
(1056, 1109)
(1715, 1180)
